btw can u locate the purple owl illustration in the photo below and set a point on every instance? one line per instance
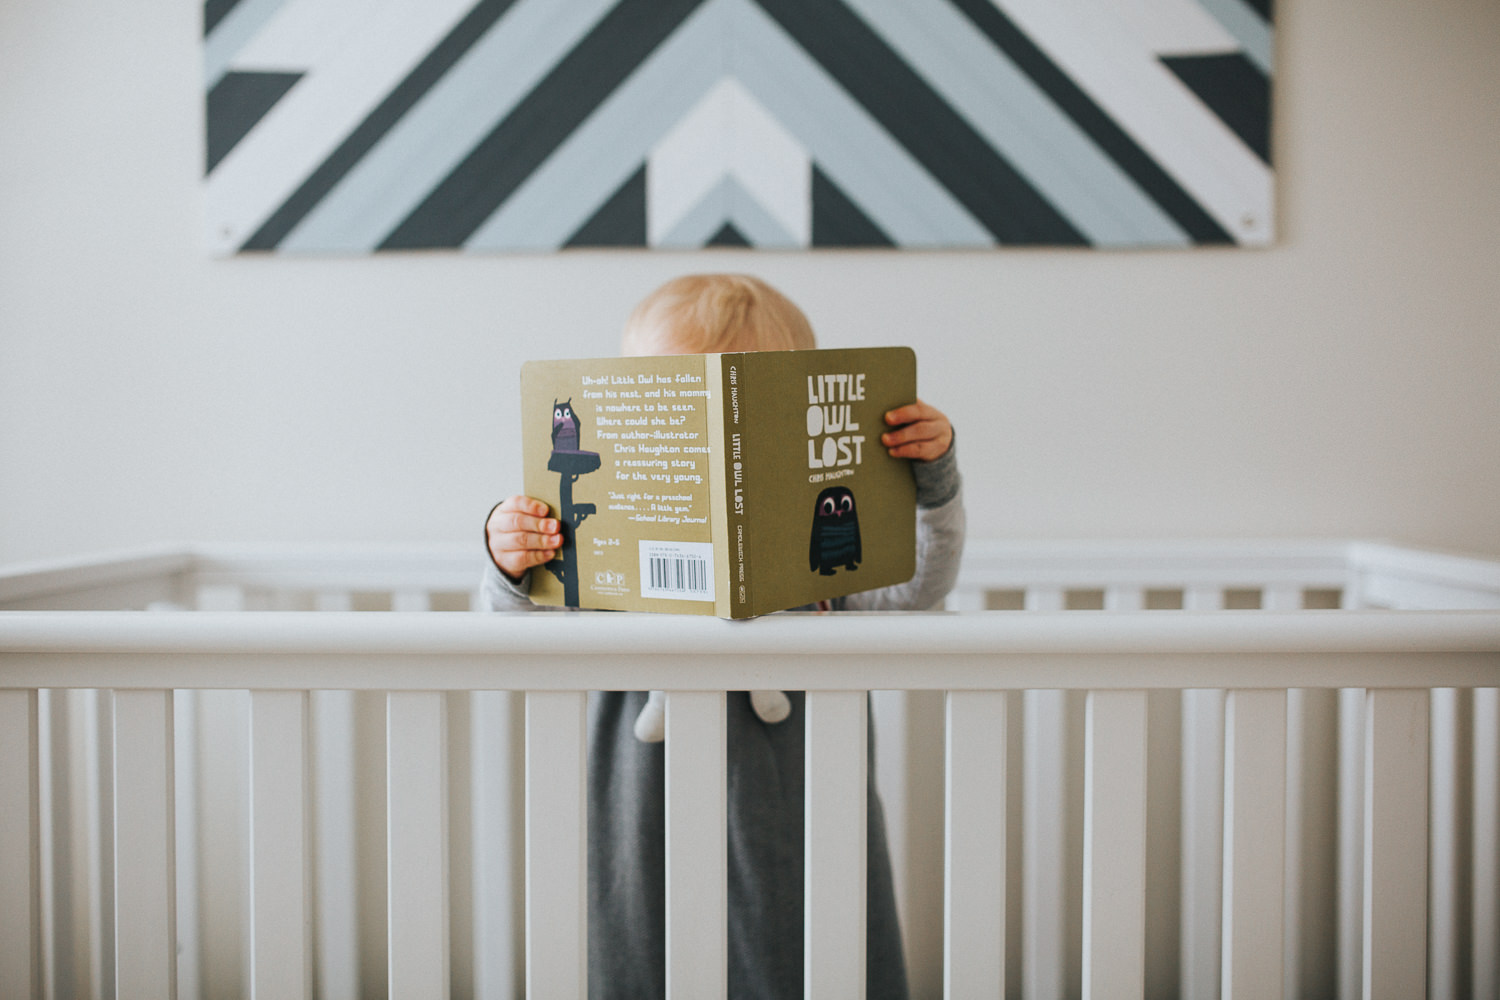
(565, 425)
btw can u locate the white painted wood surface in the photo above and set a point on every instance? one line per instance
(280, 907)
(1114, 845)
(556, 846)
(145, 921)
(836, 844)
(417, 844)
(335, 842)
(1048, 653)
(1045, 824)
(1254, 844)
(697, 889)
(1485, 877)
(974, 846)
(1202, 858)
(20, 843)
(1395, 844)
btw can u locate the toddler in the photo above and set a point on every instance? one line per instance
(704, 314)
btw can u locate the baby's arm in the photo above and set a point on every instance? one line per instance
(925, 434)
(521, 534)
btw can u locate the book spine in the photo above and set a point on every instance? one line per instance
(737, 510)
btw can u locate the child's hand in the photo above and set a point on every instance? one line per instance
(921, 432)
(522, 535)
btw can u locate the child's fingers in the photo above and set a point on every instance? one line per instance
(521, 536)
(920, 432)
(522, 514)
(924, 442)
(911, 413)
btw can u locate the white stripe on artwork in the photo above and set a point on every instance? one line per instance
(349, 78)
(460, 110)
(1157, 110)
(1020, 121)
(729, 134)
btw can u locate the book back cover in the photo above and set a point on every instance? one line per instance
(619, 448)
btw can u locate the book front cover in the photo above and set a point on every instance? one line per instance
(828, 512)
(619, 448)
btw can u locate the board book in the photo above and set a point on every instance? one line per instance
(720, 484)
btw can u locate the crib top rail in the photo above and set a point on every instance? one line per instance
(66, 624)
(1361, 574)
(931, 651)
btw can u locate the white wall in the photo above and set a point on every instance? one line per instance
(1344, 383)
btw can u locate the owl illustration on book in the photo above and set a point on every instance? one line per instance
(564, 426)
(835, 532)
(570, 462)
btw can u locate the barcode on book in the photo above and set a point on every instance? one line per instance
(679, 571)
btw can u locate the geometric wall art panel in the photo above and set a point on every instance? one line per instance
(359, 126)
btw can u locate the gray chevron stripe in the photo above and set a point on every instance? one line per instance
(580, 176)
(439, 131)
(729, 202)
(1247, 28)
(1019, 121)
(890, 187)
(880, 176)
(230, 35)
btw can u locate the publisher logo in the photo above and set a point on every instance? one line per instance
(612, 583)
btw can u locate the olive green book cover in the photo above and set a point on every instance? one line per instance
(720, 484)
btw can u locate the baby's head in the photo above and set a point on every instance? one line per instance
(713, 314)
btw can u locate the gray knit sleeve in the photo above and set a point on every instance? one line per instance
(940, 544)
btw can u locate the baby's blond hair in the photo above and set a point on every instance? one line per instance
(716, 313)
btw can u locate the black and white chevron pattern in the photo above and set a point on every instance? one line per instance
(350, 126)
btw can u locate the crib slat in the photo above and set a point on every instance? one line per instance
(20, 843)
(1351, 848)
(1202, 840)
(1447, 848)
(280, 914)
(333, 600)
(1485, 875)
(1044, 832)
(834, 901)
(417, 844)
(331, 743)
(1395, 861)
(1114, 844)
(408, 601)
(974, 873)
(556, 845)
(697, 890)
(1254, 843)
(498, 721)
(145, 876)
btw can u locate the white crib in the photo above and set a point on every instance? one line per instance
(1189, 770)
